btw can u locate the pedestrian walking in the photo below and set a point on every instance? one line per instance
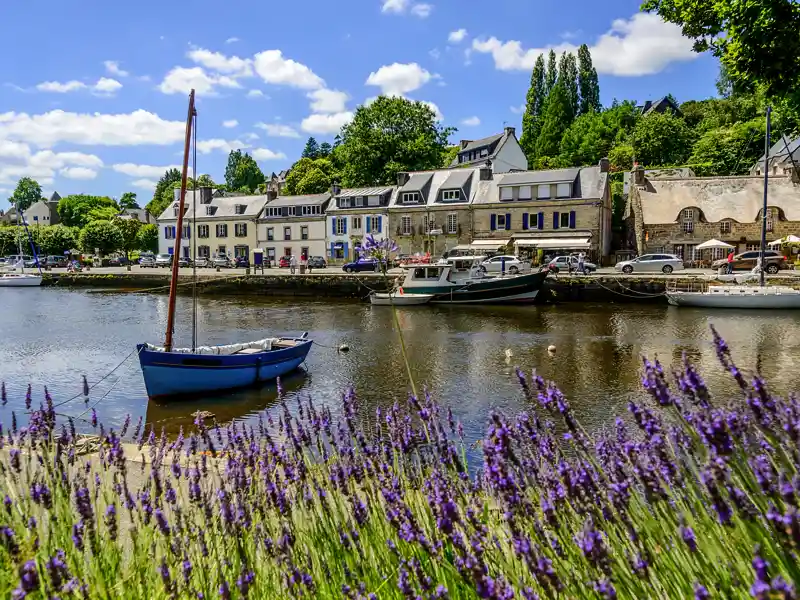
(581, 258)
(730, 262)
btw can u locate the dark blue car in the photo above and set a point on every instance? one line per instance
(362, 264)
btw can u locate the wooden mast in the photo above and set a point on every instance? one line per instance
(173, 284)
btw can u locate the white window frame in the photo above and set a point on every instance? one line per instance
(543, 191)
(450, 195)
(563, 190)
(240, 229)
(222, 230)
(770, 219)
(340, 225)
(501, 221)
(428, 223)
(304, 232)
(373, 224)
(239, 209)
(209, 210)
(373, 201)
(406, 227)
(525, 195)
(688, 220)
(286, 230)
(725, 226)
(270, 234)
(355, 223)
(452, 223)
(506, 193)
(411, 198)
(202, 231)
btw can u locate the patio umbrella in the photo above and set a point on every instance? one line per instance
(712, 244)
(789, 239)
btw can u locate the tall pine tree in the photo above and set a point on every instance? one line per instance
(531, 120)
(587, 82)
(568, 75)
(550, 76)
(311, 150)
(556, 119)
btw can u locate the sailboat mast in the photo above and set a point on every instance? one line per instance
(764, 208)
(173, 284)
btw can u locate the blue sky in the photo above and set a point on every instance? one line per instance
(94, 98)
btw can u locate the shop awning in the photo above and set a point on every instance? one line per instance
(488, 243)
(565, 243)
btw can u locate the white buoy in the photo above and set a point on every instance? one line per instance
(509, 353)
(551, 348)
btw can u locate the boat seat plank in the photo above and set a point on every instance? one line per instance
(284, 344)
(250, 351)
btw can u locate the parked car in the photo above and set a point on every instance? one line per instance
(317, 262)
(562, 263)
(513, 265)
(202, 261)
(118, 261)
(222, 260)
(54, 261)
(164, 260)
(746, 261)
(241, 262)
(284, 262)
(651, 263)
(147, 260)
(184, 261)
(361, 265)
(32, 263)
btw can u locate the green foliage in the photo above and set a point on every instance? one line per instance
(593, 135)
(588, 86)
(551, 74)
(568, 75)
(662, 139)
(729, 150)
(104, 236)
(311, 149)
(27, 193)
(325, 150)
(8, 240)
(621, 157)
(242, 172)
(78, 209)
(557, 117)
(389, 135)
(450, 154)
(205, 180)
(129, 232)
(147, 238)
(309, 176)
(534, 105)
(57, 239)
(128, 200)
(758, 41)
(159, 203)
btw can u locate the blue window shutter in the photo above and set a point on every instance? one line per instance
(380, 224)
(344, 220)
(369, 224)
(524, 220)
(493, 222)
(508, 221)
(555, 220)
(333, 225)
(345, 248)
(572, 219)
(166, 233)
(171, 250)
(333, 250)
(540, 220)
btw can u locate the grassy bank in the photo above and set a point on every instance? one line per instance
(698, 501)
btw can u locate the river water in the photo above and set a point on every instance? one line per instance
(52, 337)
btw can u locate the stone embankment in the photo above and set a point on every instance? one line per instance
(558, 288)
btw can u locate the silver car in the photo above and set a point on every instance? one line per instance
(651, 263)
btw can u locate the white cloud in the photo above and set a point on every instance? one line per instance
(328, 101)
(278, 130)
(81, 173)
(142, 171)
(57, 126)
(641, 45)
(265, 154)
(457, 36)
(230, 124)
(251, 136)
(17, 160)
(272, 67)
(103, 86)
(181, 80)
(208, 146)
(255, 94)
(471, 122)
(144, 184)
(435, 109)
(113, 68)
(326, 124)
(400, 7)
(394, 6)
(517, 110)
(398, 79)
(435, 54)
(216, 61)
(232, 40)
(422, 11)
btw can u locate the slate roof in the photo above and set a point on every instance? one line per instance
(436, 181)
(364, 191)
(539, 177)
(589, 183)
(417, 182)
(478, 144)
(779, 152)
(493, 143)
(224, 207)
(305, 200)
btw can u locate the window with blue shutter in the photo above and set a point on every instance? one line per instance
(333, 226)
(540, 221)
(508, 221)
(380, 224)
(556, 222)
(524, 220)
(572, 219)
(493, 222)
(344, 222)
(369, 224)
(345, 246)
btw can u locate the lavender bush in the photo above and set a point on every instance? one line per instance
(699, 501)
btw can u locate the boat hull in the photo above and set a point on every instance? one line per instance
(11, 280)
(380, 299)
(516, 289)
(751, 300)
(170, 374)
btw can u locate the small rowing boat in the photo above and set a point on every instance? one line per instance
(398, 299)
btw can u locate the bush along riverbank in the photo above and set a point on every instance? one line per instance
(699, 500)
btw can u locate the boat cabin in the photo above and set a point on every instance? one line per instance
(449, 272)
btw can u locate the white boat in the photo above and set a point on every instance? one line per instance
(20, 280)
(398, 299)
(738, 296)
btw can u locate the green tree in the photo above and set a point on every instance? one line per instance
(242, 172)
(588, 139)
(662, 140)
(534, 103)
(729, 150)
(8, 240)
(556, 119)
(158, 204)
(147, 238)
(621, 157)
(57, 239)
(551, 74)
(451, 153)
(77, 210)
(325, 150)
(311, 150)
(104, 236)
(27, 193)
(129, 232)
(310, 176)
(587, 82)
(758, 41)
(128, 200)
(568, 75)
(205, 180)
(389, 135)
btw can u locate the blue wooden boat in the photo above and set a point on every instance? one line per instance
(172, 371)
(186, 371)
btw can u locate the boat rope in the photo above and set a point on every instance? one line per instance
(633, 294)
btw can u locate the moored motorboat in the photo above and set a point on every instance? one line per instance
(399, 298)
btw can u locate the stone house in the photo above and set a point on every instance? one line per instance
(430, 213)
(352, 214)
(138, 214)
(784, 156)
(555, 211)
(294, 226)
(43, 212)
(673, 216)
(501, 151)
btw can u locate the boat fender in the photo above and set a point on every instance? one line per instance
(551, 349)
(400, 291)
(344, 348)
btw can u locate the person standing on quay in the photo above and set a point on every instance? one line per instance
(730, 262)
(581, 258)
(292, 264)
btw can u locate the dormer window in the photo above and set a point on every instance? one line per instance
(688, 220)
(725, 227)
(564, 190)
(359, 201)
(239, 209)
(411, 198)
(451, 195)
(770, 219)
(506, 193)
(209, 210)
(543, 191)
(484, 152)
(175, 210)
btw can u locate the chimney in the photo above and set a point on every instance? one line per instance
(272, 194)
(511, 131)
(335, 189)
(205, 195)
(464, 143)
(638, 175)
(486, 171)
(402, 178)
(604, 165)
